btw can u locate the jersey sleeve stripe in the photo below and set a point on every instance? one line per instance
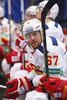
(54, 41)
(56, 25)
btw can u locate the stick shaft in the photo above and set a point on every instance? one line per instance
(9, 13)
(2, 86)
(43, 16)
(22, 22)
(22, 15)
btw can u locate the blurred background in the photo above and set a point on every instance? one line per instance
(16, 10)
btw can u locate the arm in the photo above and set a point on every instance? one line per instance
(21, 43)
(18, 87)
(14, 57)
(55, 87)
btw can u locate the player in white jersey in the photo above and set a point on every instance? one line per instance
(52, 28)
(55, 50)
(4, 34)
(5, 38)
(17, 54)
(31, 12)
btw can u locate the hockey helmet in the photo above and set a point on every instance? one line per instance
(1, 12)
(32, 25)
(31, 10)
(53, 11)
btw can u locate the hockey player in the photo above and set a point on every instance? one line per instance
(55, 50)
(52, 28)
(55, 87)
(17, 54)
(31, 12)
(5, 38)
(4, 34)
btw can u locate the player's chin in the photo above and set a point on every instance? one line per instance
(35, 46)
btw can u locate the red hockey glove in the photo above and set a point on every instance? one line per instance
(19, 86)
(56, 87)
(21, 43)
(40, 88)
(41, 82)
(14, 57)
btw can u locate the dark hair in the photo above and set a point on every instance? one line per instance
(1, 17)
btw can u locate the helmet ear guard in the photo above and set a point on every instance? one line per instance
(1, 12)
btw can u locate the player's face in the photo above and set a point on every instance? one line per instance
(38, 13)
(34, 38)
(29, 16)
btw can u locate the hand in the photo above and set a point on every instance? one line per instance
(56, 87)
(42, 79)
(21, 43)
(14, 57)
(12, 96)
(19, 86)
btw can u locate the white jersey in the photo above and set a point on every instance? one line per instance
(65, 68)
(4, 33)
(55, 51)
(54, 29)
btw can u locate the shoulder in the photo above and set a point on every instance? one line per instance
(52, 40)
(5, 21)
(53, 24)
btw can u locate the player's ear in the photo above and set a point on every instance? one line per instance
(48, 13)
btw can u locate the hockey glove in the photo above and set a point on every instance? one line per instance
(19, 86)
(14, 57)
(41, 82)
(56, 87)
(21, 43)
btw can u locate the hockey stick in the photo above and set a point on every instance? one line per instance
(9, 13)
(22, 22)
(43, 16)
(3, 86)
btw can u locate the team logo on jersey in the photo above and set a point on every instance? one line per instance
(33, 67)
(36, 69)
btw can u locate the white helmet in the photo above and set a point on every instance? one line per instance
(32, 25)
(31, 10)
(1, 12)
(53, 11)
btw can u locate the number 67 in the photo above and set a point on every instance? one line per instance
(50, 58)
